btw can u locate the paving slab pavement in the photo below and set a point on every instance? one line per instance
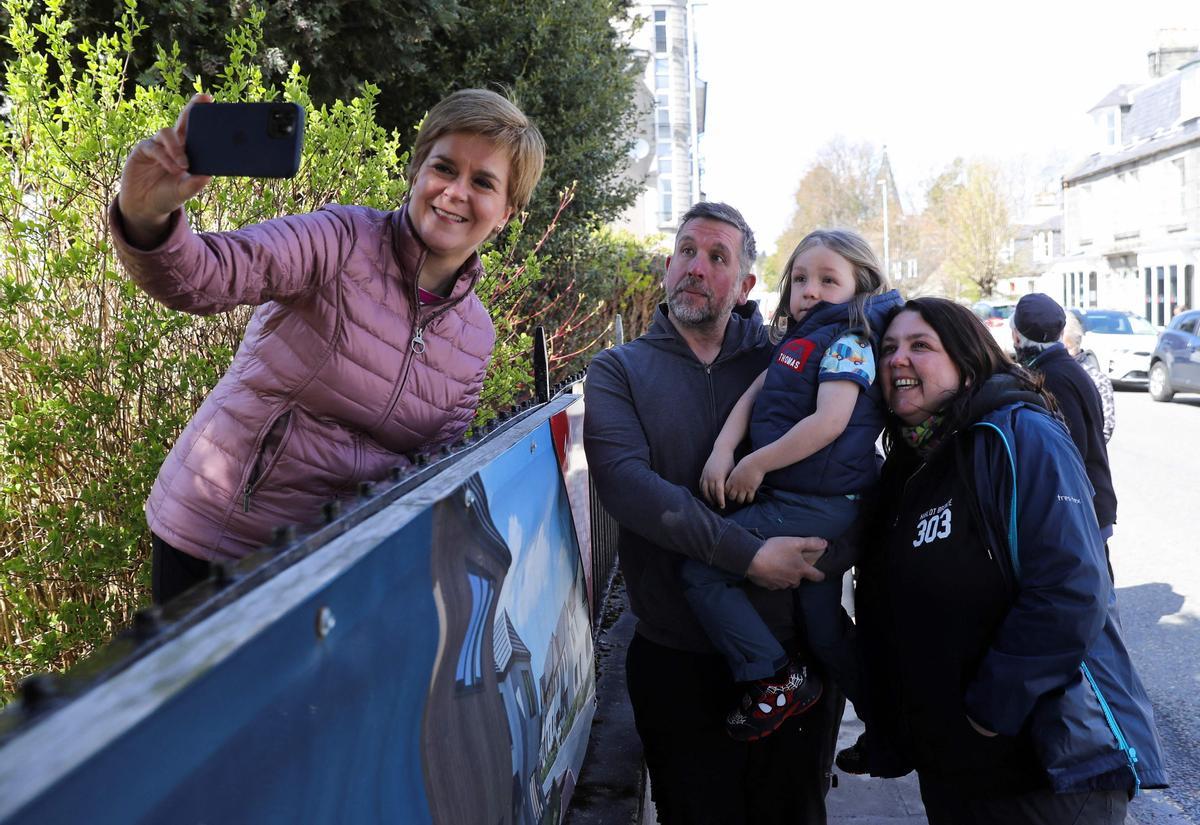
(861, 800)
(613, 787)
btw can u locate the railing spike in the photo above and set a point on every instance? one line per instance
(39, 690)
(330, 511)
(147, 622)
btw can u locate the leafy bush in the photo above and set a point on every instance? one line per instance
(569, 66)
(96, 379)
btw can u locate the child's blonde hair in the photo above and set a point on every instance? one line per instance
(869, 278)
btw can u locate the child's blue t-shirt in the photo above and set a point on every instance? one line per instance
(849, 357)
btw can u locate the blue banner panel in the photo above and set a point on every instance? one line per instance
(430, 664)
(289, 727)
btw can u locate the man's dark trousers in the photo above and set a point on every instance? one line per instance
(680, 701)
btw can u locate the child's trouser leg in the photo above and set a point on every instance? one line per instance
(826, 627)
(830, 635)
(731, 622)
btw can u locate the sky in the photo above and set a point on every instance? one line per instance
(1011, 82)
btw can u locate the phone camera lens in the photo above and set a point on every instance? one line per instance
(282, 123)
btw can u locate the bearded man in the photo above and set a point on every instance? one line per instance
(653, 409)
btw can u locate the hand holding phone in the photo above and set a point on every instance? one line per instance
(257, 140)
(156, 181)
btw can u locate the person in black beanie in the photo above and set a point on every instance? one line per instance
(1037, 325)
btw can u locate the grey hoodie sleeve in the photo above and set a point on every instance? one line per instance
(641, 500)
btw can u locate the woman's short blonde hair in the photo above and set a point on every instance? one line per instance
(495, 117)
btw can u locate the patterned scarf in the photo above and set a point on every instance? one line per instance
(919, 436)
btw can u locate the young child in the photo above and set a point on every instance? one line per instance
(813, 416)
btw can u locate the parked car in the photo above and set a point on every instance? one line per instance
(1118, 343)
(1175, 364)
(996, 317)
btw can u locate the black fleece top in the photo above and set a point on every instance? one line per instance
(1081, 408)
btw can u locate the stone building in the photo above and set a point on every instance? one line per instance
(671, 99)
(1131, 224)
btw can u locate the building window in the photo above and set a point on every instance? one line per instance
(664, 165)
(1173, 290)
(662, 148)
(1149, 295)
(1160, 278)
(469, 672)
(662, 79)
(660, 31)
(530, 693)
(663, 119)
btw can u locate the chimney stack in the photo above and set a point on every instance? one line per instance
(1175, 48)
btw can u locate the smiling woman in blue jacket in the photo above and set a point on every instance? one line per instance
(984, 596)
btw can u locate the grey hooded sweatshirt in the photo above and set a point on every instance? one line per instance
(652, 414)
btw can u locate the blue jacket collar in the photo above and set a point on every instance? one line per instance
(876, 308)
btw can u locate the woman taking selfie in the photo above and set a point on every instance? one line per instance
(368, 340)
(985, 599)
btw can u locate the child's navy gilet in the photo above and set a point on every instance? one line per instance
(789, 394)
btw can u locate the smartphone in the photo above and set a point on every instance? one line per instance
(253, 140)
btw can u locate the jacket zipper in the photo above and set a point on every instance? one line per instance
(904, 493)
(418, 340)
(252, 480)
(712, 396)
(1122, 743)
(416, 344)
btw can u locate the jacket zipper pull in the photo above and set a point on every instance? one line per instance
(418, 341)
(246, 498)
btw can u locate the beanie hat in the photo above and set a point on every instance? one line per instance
(1039, 318)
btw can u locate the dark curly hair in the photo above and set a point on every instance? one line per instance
(973, 350)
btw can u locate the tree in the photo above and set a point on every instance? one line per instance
(572, 72)
(96, 379)
(839, 190)
(967, 225)
(568, 66)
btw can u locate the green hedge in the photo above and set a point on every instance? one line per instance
(97, 380)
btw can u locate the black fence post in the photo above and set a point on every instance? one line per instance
(541, 366)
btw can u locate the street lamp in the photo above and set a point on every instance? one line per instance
(887, 269)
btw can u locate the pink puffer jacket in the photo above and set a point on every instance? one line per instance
(330, 384)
